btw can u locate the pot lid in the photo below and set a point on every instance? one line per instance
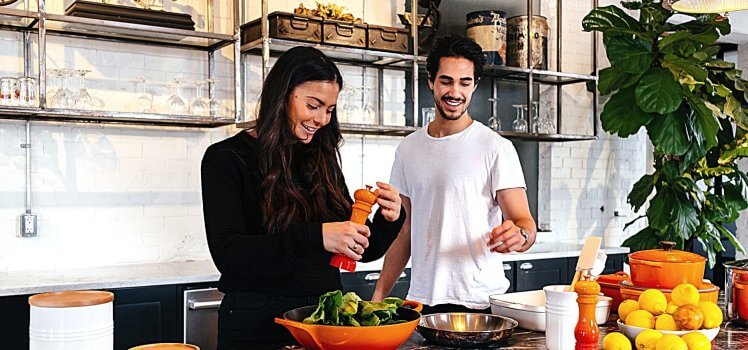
(739, 264)
(667, 254)
(615, 278)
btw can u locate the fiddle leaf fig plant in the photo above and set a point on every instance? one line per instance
(665, 78)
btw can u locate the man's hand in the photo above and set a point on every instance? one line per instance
(506, 238)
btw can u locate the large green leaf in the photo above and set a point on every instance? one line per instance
(735, 196)
(611, 19)
(668, 133)
(706, 37)
(679, 64)
(653, 15)
(674, 38)
(628, 54)
(641, 190)
(685, 218)
(731, 237)
(706, 124)
(733, 153)
(647, 238)
(658, 92)
(620, 116)
(660, 209)
(720, 64)
(611, 79)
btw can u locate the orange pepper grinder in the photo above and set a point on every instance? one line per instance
(365, 199)
(586, 331)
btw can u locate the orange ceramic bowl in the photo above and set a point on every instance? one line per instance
(666, 268)
(610, 285)
(323, 337)
(707, 291)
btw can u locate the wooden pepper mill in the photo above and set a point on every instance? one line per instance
(586, 331)
(365, 199)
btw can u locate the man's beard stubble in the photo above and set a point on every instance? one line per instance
(444, 115)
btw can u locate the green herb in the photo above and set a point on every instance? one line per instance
(336, 309)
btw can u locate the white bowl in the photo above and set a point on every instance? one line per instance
(528, 308)
(632, 331)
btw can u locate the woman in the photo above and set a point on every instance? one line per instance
(276, 205)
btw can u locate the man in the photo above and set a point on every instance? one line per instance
(457, 179)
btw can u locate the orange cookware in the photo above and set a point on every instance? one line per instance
(707, 291)
(610, 285)
(736, 291)
(324, 337)
(666, 268)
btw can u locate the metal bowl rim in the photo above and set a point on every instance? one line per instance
(514, 323)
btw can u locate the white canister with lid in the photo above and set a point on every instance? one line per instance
(80, 320)
(561, 315)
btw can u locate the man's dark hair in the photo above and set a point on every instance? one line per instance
(455, 46)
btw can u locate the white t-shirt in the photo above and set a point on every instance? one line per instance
(452, 182)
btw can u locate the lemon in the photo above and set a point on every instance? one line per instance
(671, 308)
(685, 294)
(654, 301)
(671, 342)
(626, 307)
(712, 314)
(697, 341)
(647, 339)
(640, 318)
(665, 322)
(616, 341)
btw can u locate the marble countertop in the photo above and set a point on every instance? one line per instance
(107, 277)
(197, 271)
(732, 337)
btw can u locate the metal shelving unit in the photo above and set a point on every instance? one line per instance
(41, 24)
(267, 47)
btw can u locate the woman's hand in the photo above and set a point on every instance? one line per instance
(347, 238)
(389, 200)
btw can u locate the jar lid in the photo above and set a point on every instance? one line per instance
(72, 298)
(667, 254)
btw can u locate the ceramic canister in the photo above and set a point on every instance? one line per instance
(71, 320)
(561, 315)
(517, 36)
(488, 29)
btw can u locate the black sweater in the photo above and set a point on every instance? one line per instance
(292, 262)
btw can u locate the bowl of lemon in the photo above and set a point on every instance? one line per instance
(684, 322)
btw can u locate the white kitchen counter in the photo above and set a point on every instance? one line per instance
(108, 277)
(138, 275)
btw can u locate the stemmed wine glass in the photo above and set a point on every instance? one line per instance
(535, 120)
(520, 124)
(82, 99)
(370, 116)
(494, 122)
(176, 103)
(60, 97)
(347, 110)
(144, 100)
(214, 106)
(546, 123)
(199, 105)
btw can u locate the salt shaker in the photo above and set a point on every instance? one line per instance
(586, 331)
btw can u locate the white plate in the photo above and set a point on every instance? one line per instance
(632, 331)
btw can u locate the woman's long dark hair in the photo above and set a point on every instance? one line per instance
(283, 201)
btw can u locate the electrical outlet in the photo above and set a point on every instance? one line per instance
(28, 225)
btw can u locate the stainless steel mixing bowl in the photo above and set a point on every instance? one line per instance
(466, 329)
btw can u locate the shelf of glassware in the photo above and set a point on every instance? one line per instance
(516, 135)
(102, 29)
(112, 117)
(362, 129)
(340, 54)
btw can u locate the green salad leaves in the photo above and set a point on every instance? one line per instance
(336, 309)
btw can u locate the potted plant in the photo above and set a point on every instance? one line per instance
(666, 78)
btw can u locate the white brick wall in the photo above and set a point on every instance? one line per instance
(121, 194)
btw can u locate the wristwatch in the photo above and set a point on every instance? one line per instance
(525, 235)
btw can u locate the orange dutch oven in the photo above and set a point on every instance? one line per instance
(666, 268)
